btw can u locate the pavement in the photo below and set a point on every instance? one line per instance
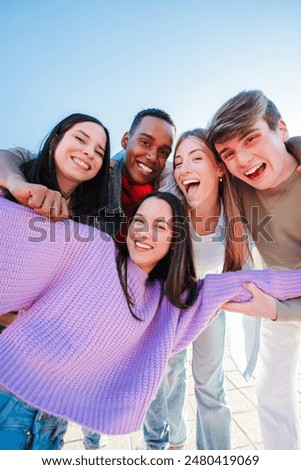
(242, 398)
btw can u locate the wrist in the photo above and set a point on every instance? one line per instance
(15, 182)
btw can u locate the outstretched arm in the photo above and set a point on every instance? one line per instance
(28, 258)
(217, 290)
(44, 201)
(260, 302)
(268, 306)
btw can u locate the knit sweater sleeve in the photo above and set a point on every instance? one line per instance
(216, 289)
(28, 258)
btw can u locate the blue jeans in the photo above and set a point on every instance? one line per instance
(92, 440)
(213, 425)
(23, 427)
(165, 421)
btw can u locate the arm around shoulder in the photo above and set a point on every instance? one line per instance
(11, 160)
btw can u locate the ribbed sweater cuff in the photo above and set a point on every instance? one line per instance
(290, 284)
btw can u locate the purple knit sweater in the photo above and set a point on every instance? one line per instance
(75, 350)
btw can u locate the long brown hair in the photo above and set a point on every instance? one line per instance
(236, 244)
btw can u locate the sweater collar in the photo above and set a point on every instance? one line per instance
(146, 299)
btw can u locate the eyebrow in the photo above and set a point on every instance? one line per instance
(88, 137)
(151, 137)
(191, 152)
(245, 134)
(158, 219)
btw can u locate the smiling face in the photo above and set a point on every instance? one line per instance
(150, 233)
(259, 157)
(79, 155)
(197, 173)
(147, 149)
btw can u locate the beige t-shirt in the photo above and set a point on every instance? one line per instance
(274, 217)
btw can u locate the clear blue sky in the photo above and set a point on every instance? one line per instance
(112, 58)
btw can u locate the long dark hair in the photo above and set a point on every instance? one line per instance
(89, 196)
(176, 270)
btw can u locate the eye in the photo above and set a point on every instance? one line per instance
(99, 154)
(164, 153)
(161, 226)
(177, 162)
(251, 139)
(138, 223)
(228, 156)
(80, 139)
(198, 158)
(145, 143)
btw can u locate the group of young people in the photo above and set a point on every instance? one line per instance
(140, 259)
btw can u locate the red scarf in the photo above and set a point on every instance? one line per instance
(131, 194)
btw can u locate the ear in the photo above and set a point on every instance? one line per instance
(283, 130)
(124, 140)
(222, 169)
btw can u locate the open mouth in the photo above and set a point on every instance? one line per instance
(80, 163)
(256, 171)
(191, 186)
(142, 246)
(147, 170)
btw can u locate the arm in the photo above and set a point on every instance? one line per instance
(260, 302)
(294, 145)
(217, 289)
(28, 260)
(45, 201)
(11, 161)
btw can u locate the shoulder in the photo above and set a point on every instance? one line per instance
(22, 152)
(119, 156)
(294, 147)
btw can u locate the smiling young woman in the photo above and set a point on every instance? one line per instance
(93, 360)
(74, 160)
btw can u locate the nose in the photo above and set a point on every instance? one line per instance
(89, 151)
(244, 156)
(151, 155)
(143, 235)
(185, 167)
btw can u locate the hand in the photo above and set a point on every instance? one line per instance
(7, 319)
(298, 169)
(261, 305)
(44, 201)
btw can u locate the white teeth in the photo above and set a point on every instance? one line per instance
(142, 245)
(190, 181)
(81, 163)
(248, 173)
(145, 168)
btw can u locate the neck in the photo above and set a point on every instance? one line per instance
(66, 187)
(205, 217)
